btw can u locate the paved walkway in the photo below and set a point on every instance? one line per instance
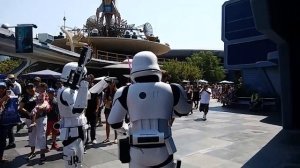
(229, 138)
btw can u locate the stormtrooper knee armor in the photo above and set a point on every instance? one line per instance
(150, 105)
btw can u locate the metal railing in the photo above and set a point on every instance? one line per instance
(111, 56)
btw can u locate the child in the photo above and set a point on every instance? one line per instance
(52, 118)
(41, 103)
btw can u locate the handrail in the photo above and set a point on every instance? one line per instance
(111, 56)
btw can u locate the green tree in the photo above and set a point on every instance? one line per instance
(209, 65)
(9, 65)
(180, 71)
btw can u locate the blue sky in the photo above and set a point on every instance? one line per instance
(183, 24)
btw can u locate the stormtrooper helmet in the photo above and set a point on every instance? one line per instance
(145, 64)
(69, 71)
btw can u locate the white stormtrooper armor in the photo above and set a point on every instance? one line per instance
(150, 104)
(72, 100)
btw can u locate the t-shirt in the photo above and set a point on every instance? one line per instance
(92, 105)
(53, 114)
(17, 89)
(29, 104)
(205, 96)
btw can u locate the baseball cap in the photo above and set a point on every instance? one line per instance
(50, 90)
(29, 85)
(11, 76)
(37, 79)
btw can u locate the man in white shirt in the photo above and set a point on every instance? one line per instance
(17, 89)
(205, 94)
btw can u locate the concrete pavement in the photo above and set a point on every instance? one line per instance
(229, 138)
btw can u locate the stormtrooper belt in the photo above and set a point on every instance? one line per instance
(147, 140)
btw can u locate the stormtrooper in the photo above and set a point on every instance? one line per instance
(150, 105)
(72, 100)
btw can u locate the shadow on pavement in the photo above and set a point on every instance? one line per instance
(272, 117)
(49, 158)
(283, 151)
(98, 145)
(199, 119)
(21, 160)
(16, 162)
(237, 109)
(23, 134)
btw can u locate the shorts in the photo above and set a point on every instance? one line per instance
(203, 107)
(50, 128)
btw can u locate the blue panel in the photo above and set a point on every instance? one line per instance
(256, 80)
(249, 52)
(239, 21)
(24, 41)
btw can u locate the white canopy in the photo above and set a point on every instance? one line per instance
(226, 82)
(202, 81)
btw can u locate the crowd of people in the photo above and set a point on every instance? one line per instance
(203, 92)
(38, 111)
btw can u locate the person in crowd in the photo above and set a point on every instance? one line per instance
(52, 118)
(196, 97)
(108, 98)
(10, 134)
(37, 137)
(224, 95)
(255, 102)
(27, 104)
(59, 85)
(17, 89)
(101, 106)
(36, 81)
(37, 134)
(189, 92)
(91, 110)
(165, 76)
(205, 95)
(4, 98)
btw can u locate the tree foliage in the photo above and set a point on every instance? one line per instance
(9, 65)
(180, 71)
(208, 64)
